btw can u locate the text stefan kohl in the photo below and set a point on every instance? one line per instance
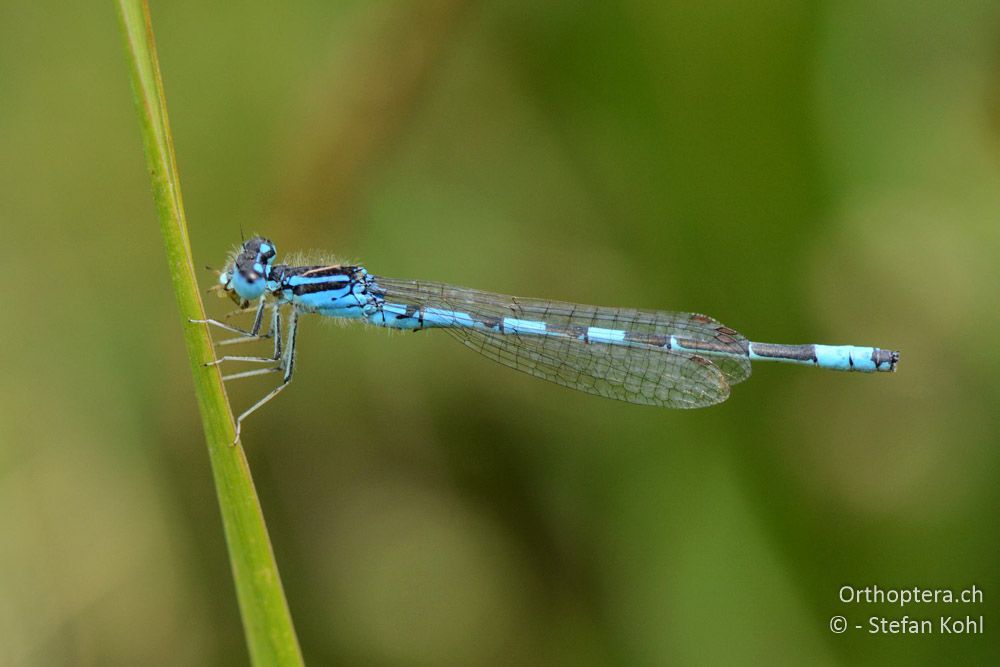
(944, 625)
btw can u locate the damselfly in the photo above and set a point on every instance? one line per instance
(669, 359)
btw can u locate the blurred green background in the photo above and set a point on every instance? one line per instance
(805, 172)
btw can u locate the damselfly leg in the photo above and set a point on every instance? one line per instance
(288, 363)
(285, 363)
(274, 330)
(245, 335)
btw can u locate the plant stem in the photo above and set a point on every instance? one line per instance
(267, 623)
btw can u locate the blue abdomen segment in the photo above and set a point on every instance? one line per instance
(410, 317)
(845, 357)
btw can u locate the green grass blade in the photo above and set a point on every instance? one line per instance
(266, 620)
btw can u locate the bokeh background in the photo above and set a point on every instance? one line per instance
(803, 171)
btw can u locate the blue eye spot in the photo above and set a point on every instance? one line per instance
(264, 248)
(258, 268)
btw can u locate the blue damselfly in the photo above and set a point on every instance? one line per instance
(669, 359)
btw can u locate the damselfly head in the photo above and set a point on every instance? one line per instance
(246, 274)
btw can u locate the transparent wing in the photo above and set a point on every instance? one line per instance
(641, 370)
(661, 378)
